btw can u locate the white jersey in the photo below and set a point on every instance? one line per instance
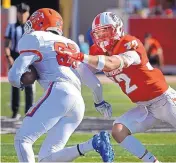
(44, 45)
(39, 48)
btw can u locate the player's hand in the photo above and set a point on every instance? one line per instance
(74, 63)
(104, 108)
(76, 56)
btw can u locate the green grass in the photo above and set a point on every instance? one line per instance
(162, 145)
(119, 101)
(113, 95)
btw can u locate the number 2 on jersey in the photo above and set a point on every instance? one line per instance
(128, 88)
(61, 59)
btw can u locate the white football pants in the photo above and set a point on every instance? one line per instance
(58, 113)
(147, 114)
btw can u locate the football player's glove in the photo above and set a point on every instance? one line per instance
(104, 108)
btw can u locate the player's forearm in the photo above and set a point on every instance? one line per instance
(19, 67)
(8, 56)
(7, 51)
(14, 76)
(7, 47)
(98, 94)
(90, 80)
(105, 63)
(91, 60)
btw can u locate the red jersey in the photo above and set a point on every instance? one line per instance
(140, 82)
(95, 50)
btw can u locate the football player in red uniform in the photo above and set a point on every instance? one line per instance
(123, 59)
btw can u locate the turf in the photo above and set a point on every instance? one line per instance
(163, 145)
(119, 101)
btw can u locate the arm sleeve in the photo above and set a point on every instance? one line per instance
(19, 67)
(90, 80)
(30, 43)
(131, 57)
(8, 31)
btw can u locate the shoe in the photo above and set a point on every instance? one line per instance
(16, 116)
(101, 143)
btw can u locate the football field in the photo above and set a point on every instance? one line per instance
(112, 94)
(163, 145)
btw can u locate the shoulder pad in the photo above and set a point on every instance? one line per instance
(130, 42)
(29, 42)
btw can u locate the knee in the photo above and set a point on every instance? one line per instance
(20, 137)
(120, 132)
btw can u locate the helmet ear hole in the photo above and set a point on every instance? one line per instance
(41, 23)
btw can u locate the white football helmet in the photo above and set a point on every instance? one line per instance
(107, 28)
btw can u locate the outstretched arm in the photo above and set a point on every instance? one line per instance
(107, 63)
(90, 80)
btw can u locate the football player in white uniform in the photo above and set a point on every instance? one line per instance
(61, 109)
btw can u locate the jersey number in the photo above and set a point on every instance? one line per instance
(64, 60)
(127, 80)
(131, 45)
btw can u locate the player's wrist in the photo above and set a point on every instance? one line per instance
(85, 58)
(78, 56)
(99, 104)
(101, 62)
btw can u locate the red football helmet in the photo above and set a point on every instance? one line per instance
(44, 19)
(106, 29)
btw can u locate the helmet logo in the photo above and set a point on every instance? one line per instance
(37, 15)
(115, 18)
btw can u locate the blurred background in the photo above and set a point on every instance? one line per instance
(152, 21)
(157, 17)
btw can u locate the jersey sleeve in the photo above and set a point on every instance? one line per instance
(19, 67)
(8, 31)
(30, 43)
(90, 80)
(130, 43)
(131, 58)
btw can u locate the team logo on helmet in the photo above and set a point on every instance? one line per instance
(37, 15)
(115, 18)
